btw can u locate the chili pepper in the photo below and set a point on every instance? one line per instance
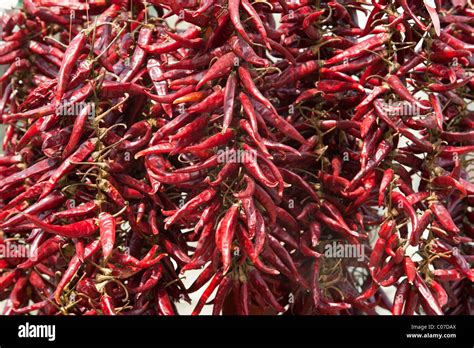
(401, 201)
(387, 178)
(168, 46)
(73, 267)
(251, 214)
(164, 303)
(241, 297)
(272, 258)
(363, 106)
(37, 168)
(334, 212)
(79, 246)
(282, 125)
(12, 56)
(260, 285)
(18, 295)
(197, 124)
(224, 234)
(155, 150)
(31, 192)
(106, 305)
(220, 68)
(377, 255)
(203, 250)
(107, 233)
(19, 65)
(334, 86)
(202, 300)
(255, 18)
(78, 130)
(211, 142)
(75, 230)
(226, 171)
(70, 57)
(396, 84)
(6, 160)
(413, 62)
(33, 307)
(82, 152)
(50, 202)
(8, 278)
(448, 182)
(359, 49)
(246, 244)
(149, 261)
(53, 54)
(139, 55)
(426, 294)
(255, 170)
(272, 145)
(448, 274)
(267, 202)
(204, 7)
(275, 172)
(224, 288)
(9, 47)
(439, 87)
(190, 206)
(202, 279)
(45, 250)
(192, 63)
(212, 102)
(235, 18)
(79, 211)
(191, 97)
(149, 281)
(440, 293)
(411, 303)
(229, 97)
(443, 216)
(281, 49)
(437, 109)
(190, 79)
(449, 151)
(371, 290)
(382, 151)
(249, 86)
(244, 51)
(410, 269)
(454, 42)
(389, 274)
(283, 254)
(297, 72)
(400, 297)
(260, 233)
(335, 225)
(249, 110)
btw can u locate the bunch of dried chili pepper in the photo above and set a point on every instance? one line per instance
(300, 161)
